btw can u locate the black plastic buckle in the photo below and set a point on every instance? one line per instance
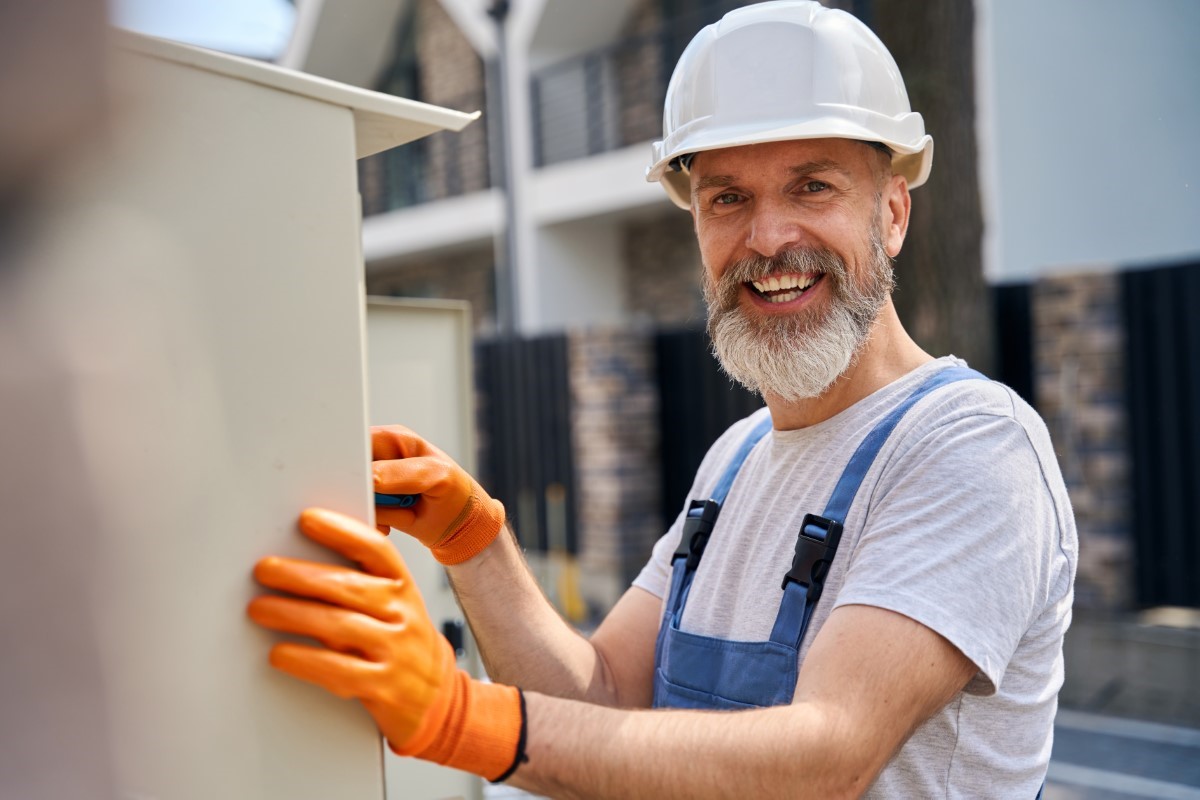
(816, 546)
(697, 527)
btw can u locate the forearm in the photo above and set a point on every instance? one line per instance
(521, 637)
(869, 680)
(577, 750)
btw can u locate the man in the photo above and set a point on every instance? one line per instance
(872, 577)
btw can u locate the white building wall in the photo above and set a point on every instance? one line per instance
(567, 251)
(569, 27)
(580, 281)
(1089, 113)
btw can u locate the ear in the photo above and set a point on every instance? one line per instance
(895, 205)
(693, 209)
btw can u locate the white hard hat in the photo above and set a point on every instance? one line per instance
(790, 69)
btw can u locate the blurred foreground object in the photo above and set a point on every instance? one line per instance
(52, 718)
(51, 94)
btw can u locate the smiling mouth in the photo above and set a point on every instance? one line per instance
(784, 288)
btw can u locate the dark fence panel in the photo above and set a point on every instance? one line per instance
(698, 402)
(527, 450)
(1163, 388)
(1014, 338)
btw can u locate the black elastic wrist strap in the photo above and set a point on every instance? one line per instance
(520, 758)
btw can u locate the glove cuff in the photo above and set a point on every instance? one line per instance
(482, 520)
(483, 731)
(519, 757)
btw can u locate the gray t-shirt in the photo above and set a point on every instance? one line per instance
(962, 524)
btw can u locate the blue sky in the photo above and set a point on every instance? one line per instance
(258, 28)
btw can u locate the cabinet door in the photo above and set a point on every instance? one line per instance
(419, 375)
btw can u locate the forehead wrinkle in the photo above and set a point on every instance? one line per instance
(806, 168)
(713, 181)
(822, 165)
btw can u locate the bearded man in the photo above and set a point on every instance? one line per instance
(868, 588)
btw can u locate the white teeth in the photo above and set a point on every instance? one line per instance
(777, 283)
(784, 298)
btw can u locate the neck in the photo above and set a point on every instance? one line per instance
(888, 355)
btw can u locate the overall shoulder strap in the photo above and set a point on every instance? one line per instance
(864, 456)
(702, 514)
(819, 536)
(735, 464)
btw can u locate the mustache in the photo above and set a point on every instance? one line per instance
(722, 293)
(800, 259)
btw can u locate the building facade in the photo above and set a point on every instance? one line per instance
(1090, 208)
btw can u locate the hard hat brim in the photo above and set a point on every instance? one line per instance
(913, 161)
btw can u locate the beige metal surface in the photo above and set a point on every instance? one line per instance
(237, 400)
(210, 304)
(380, 121)
(419, 375)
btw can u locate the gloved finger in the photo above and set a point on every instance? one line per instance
(424, 475)
(401, 519)
(348, 588)
(354, 539)
(336, 628)
(344, 675)
(397, 441)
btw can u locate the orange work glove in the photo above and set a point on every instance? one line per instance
(454, 517)
(381, 648)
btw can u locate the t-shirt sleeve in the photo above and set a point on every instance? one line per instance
(959, 535)
(655, 577)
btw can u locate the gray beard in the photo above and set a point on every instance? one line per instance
(801, 355)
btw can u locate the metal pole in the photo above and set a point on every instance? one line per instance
(506, 249)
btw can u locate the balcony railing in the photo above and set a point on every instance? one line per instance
(603, 100)
(612, 97)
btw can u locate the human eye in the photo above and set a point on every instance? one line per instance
(726, 199)
(813, 187)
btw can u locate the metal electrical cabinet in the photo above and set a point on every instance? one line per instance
(420, 375)
(220, 387)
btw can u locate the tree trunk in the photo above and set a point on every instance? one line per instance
(941, 294)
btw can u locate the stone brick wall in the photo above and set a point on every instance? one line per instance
(615, 440)
(662, 263)
(1079, 374)
(465, 275)
(451, 75)
(450, 67)
(641, 78)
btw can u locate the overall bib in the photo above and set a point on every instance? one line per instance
(705, 672)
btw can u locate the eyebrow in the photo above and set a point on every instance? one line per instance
(713, 181)
(824, 165)
(807, 168)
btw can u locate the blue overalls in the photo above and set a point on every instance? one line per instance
(693, 671)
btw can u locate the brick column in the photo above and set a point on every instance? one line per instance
(615, 432)
(1079, 380)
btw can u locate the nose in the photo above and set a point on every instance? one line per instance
(773, 229)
